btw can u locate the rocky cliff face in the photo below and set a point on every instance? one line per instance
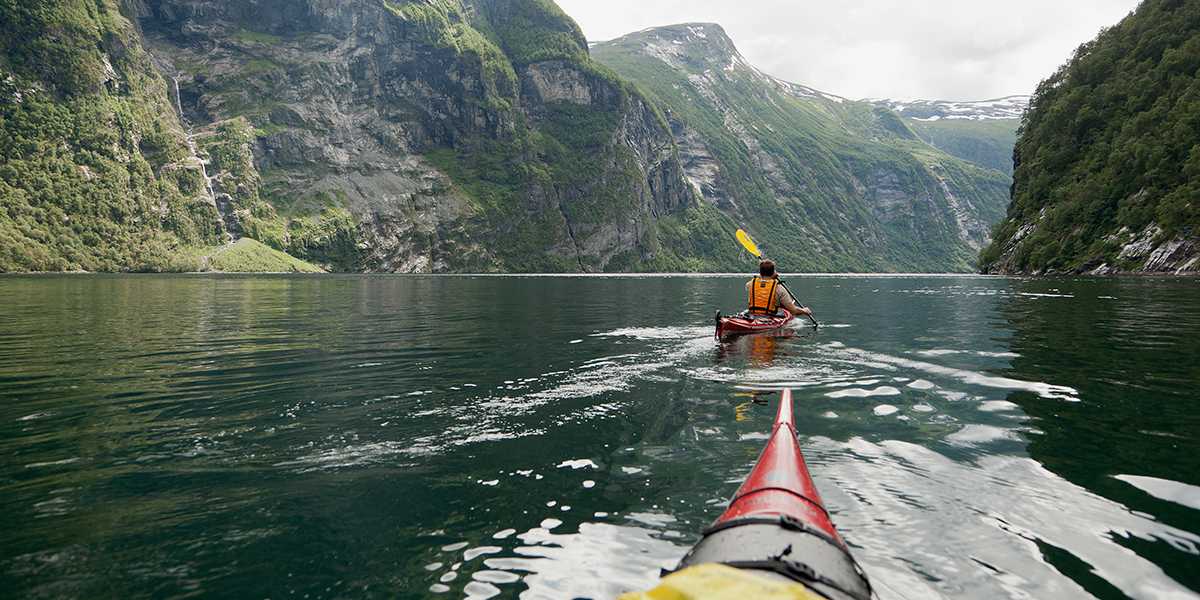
(829, 184)
(419, 136)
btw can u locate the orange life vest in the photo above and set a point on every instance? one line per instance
(763, 299)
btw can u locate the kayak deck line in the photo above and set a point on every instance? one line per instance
(782, 521)
(749, 499)
(779, 479)
(776, 525)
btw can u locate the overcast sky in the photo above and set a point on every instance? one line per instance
(905, 49)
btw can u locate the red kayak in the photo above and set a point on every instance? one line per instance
(777, 527)
(744, 323)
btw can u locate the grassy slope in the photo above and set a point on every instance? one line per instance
(249, 256)
(987, 143)
(821, 146)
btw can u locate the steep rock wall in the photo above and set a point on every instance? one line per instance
(449, 145)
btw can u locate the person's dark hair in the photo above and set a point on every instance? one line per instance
(766, 268)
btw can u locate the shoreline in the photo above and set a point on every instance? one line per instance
(1118, 275)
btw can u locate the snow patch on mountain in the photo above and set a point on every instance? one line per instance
(690, 47)
(1008, 107)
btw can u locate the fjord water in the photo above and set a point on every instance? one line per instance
(562, 437)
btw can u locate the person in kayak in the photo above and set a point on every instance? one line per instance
(767, 293)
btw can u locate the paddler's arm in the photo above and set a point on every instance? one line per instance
(786, 301)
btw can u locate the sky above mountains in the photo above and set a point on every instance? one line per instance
(937, 49)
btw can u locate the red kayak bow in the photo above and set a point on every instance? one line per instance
(780, 484)
(776, 525)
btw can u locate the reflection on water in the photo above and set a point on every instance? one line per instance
(570, 437)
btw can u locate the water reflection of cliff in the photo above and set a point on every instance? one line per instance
(1131, 347)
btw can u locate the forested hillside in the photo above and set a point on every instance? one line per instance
(1108, 159)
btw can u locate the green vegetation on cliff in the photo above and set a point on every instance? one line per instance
(1109, 151)
(533, 31)
(94, 170)
(442, 23)
(565, 176)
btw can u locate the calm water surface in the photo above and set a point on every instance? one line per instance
(353, 437)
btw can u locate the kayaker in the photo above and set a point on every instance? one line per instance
(767, 293)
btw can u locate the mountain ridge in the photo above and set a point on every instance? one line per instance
(1004, 107)
(852, 182)
(981, 132)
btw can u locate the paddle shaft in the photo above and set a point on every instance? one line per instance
(794, 299)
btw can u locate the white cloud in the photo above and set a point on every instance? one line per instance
(936, 49)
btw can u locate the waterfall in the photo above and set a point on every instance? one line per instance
(179, 102)
(222, 208)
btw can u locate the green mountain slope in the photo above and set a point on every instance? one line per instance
(982, 132)
(443, 136)
(95, 172)
(1108, 160)
(828, 184)
(368, 135)
(988, 144)
(249, 256)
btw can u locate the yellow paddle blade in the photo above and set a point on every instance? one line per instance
(748, 243)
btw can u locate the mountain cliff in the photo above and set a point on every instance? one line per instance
(828, 183)
(1107, 163)
(368, 135)
(436, 135)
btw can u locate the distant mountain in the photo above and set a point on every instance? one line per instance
(1108, 163)
(828, 183)
(982, 132)
(1008, 107)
